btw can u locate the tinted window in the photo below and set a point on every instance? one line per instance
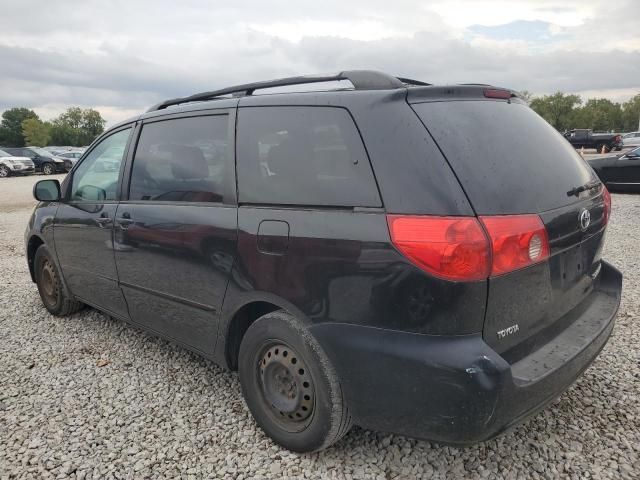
(22, 152)
(96, 178)
(508, 159)
(302, 156)
(183, 160)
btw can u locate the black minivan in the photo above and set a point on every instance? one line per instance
(390, 254)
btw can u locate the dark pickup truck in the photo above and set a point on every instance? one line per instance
(582, 137)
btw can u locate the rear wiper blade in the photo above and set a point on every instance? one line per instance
(583, 188)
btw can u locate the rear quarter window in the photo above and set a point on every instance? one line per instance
(302, 156)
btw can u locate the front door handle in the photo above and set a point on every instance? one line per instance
(103, 220)
(124, 221)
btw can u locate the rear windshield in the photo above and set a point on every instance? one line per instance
(508, 159)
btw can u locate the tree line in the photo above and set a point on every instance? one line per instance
(567, 111)
(78, 127)
(75, 127)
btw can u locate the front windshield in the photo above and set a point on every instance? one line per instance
(41, 151)
(5, 154)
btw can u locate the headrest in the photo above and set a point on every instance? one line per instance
(187, 163)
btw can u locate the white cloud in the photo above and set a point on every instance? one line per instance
(123, 56)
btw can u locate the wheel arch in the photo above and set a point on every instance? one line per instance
(238, 325)
(240, 319)
(33, 244)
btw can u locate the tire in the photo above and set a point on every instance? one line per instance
(290, 385)
(4, 171)
(48, 169)
(50, 288)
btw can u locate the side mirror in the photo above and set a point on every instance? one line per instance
(47, 191)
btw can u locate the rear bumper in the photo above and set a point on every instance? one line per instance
(457, 389)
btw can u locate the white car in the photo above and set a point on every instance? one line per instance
(631, 139)
(10, 165)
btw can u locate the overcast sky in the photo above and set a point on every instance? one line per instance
(121, 56)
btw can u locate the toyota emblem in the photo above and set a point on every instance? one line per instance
(585, 219)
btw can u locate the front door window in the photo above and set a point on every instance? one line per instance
(96, 179)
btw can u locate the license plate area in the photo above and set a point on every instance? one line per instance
(572, 266)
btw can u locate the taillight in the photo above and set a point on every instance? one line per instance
(459, 248)
(497, 93)
(454, 248)
(606, 196)
(517, 241)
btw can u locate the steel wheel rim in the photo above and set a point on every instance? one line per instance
(49, 283)
(286, 385)
(48, 170)
(4, 171)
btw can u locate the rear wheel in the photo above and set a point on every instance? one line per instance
(48, 169)
(290, 386)
(4, 171)
(52, 293)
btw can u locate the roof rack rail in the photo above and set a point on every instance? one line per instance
(361, 80)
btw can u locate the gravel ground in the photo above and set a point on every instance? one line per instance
(90, 397)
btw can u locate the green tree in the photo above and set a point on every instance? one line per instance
(62, 134)
(35, 132)
(77, 127)
(11, 126)
(631, 114)
(599, 114)
(557, 109)
(92, 125)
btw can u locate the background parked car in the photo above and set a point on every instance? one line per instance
(631, 139)
(619, 172)
(53, 148)
(43, 160)
(70, 159)
(582, 137)
(11, 165)
(56, 151)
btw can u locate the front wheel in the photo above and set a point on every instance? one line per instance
(52, 293)
(290, 385)
(48, 169)
(4, 171)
